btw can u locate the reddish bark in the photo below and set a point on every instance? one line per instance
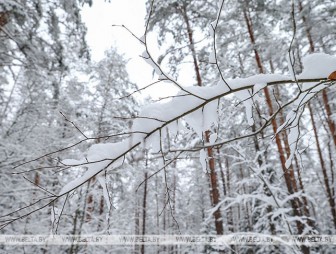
(323, 167)
(214, 193)
(288, 173)
(330, 122)
(214, 189)
(192, 46)
(307, 28)
(89, 208)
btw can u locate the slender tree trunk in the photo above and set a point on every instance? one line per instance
(306, 211)
(144, 211)
(82, 217)
(100, 211)
(74, 247)
(288, 173)
(331, 199)
(192, 46)
(157, 205)
(247, 208)
(214, 190)
(136, 224)
(214, 193)
(89, 202)
(331, 170)
(174, 247)
(164, 224)
(221, 172)
(230, 212)
(330, 122)
(307, 28)
(287, 149)
(208, 179)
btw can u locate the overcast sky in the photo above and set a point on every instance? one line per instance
(101, 35)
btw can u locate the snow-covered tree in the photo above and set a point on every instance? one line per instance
(249, 148)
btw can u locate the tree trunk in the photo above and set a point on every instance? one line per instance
(304, 206)
(307, 28)
(230, 212)
(330, 122)
(89, 202)
(144, 207)
(136, 223)
(288, 173)
(192, 46)
(214, 193)
(324, 170)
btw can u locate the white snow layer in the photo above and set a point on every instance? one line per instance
(318, 65)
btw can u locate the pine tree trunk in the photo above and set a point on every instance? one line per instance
(192, 46)
(288, 173)
(214, 193)
(214, 189)
(144, 211)
(89, 202)
(136, 224)
(307, 28)
(230, 212)
(330, 122)
(304, 206)
(331, 199)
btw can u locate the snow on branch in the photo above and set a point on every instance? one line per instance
(154, 118)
